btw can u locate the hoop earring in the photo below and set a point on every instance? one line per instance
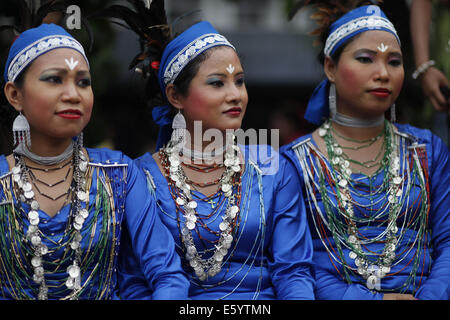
(21, 130)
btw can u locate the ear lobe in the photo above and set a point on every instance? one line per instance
(173, 96)
(329, 68)
(14, 95)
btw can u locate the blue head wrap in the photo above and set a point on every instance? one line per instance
(176, 56)
(34, 42)
(358, 20)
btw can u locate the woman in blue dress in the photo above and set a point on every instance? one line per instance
(239, 227)
(63, 207)
(377, 192)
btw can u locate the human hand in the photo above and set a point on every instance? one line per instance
(398, 296)
(432, 80)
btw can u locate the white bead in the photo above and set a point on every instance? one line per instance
(226, 187)
(223, 226)
(343, 183)
(27, 187)
(322, 132)
(33, 215)
(34, 205)
(192, 204)
(84, 213)
(29, 194)
(81, 195)
(36, 261)
(73, 271)
(190, 225)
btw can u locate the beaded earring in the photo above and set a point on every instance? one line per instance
(21, 130)
(332, 100)
(79, 140)
(179, 129)
(393, 117)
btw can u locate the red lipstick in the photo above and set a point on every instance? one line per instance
(70, 114)
(234, 111)
(380, 92)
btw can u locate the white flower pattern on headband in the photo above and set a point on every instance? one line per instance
(31, 52)
(191, 51)
(371, 22)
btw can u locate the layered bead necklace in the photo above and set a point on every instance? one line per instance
(24, 180)
(347, 219)
(229, 185)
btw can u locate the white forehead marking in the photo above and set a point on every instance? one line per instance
(230, 68)
(382, 47)
(72, 64)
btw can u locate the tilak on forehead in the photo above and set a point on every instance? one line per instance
(230, 68)
(361, 19)
(36, 41)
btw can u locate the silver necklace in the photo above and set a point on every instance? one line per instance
(347, 121)
(78, 216)
(22, 150)
(205, 268)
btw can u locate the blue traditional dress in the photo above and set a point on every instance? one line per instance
(422, 253)
(271, 255)
(118, 205)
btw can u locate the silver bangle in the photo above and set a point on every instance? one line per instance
(422, 68)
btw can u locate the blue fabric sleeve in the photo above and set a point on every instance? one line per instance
(152, 246)
(330, 287)
(438, 282)
(291, 245)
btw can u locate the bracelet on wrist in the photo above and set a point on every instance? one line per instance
(422, 68)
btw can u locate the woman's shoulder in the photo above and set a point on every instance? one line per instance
(107, 156)
(145, 161)
(4, 167)
(424, 137)
(289, 148)
(263, 156)
(415, 134)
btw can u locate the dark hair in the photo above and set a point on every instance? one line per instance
(7, 112)
(182, 82)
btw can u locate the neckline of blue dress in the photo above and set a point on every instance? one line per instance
(63, 212)
(161, 178)
(358, 176)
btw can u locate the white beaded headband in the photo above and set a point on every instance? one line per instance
(32, 51)
(371, 22)
(190, 52)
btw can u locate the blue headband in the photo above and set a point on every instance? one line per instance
(359, 20)
(176, 56)
(34, 42)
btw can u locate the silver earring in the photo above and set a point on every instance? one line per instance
(178, 129)
(21, 130)
(393, 117)
(332, 100)
(79, 141)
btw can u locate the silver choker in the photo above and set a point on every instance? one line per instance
(22, 150)
(347, 121)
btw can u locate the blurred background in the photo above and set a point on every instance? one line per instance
(279, 59)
